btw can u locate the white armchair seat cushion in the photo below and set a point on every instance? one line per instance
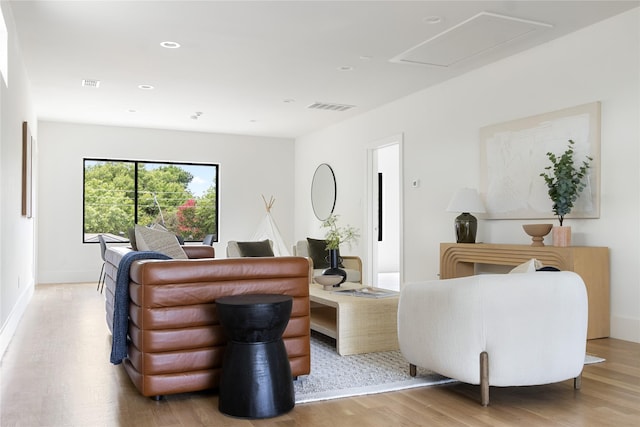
(532, 325)
(352, 275)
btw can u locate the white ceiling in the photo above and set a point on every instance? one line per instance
(253, 67)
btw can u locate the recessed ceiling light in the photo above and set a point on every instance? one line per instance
(170, 45)
(345, 68)
(366, 58)
(145, 87)
(289, 100)
(433, 19)
(131, 110)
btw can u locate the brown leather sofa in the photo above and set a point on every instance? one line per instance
(176, 344)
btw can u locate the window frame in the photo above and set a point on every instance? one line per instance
(136, 164)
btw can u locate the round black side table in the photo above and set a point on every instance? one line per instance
(256, 379)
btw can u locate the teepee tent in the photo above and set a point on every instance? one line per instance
(268, 229)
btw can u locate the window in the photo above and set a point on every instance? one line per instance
(182, 197)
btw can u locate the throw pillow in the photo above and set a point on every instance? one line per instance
(318, 253)
(164, 242)
(255, 249)
(548, 268)
(132, 238)
(527, 267)
(158, 226)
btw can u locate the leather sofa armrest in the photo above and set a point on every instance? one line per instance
(199, 251)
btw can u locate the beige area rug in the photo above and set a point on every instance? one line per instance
(590, 359)
(333, 376)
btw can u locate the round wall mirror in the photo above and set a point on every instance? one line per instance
(323, 192)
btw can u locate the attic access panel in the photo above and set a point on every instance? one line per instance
(478, 34)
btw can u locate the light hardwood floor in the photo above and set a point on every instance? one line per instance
(56, 372)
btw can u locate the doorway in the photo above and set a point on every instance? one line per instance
(384, 229)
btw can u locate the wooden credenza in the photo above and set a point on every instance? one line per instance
(591, 263)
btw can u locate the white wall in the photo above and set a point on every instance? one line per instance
(249, 167)
(441, 148)
(17, 248)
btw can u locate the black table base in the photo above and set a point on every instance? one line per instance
(256, 379)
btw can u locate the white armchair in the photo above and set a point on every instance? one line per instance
(496, 329)
(352, 264)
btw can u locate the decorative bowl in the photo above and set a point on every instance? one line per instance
(537, 232)
(328, 281)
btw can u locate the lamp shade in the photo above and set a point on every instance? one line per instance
(466, 200)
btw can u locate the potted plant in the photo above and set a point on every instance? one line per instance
(334, 237)
(565, 182)
(338, 235)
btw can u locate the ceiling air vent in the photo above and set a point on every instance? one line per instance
(90, 83)
(330, 107)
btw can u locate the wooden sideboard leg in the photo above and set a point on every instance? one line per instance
(412, 369)
(484, 378)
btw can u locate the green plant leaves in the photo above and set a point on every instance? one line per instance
(337, 235)
(564, 180)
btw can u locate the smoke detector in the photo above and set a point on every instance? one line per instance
(90, 83)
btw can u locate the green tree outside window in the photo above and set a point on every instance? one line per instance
(181, 197)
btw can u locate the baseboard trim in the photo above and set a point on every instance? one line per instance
(625, 328)
(11, 325)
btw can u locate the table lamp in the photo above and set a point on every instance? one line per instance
(466, 200)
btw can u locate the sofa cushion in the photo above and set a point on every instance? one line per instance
(166, 243)
(255, 249)
(319, 254)
(353, 276)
